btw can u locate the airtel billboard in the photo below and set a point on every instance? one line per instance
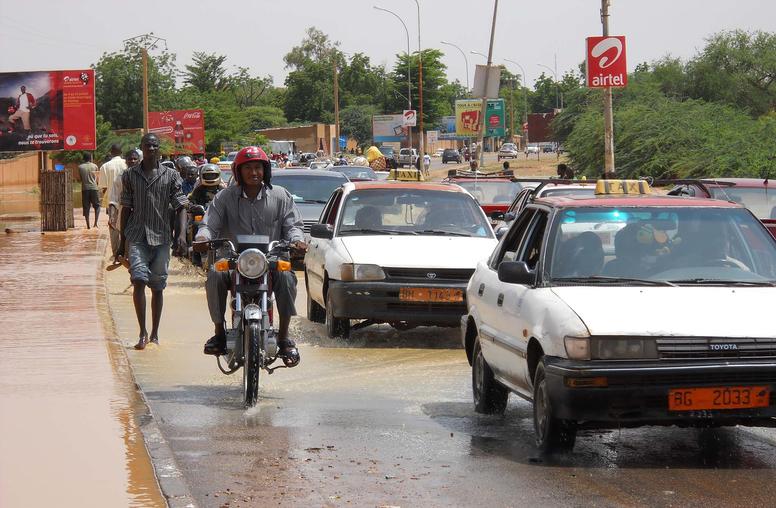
(605, 61)
(185, 128)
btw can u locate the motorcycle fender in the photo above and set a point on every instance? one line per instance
(252, 312)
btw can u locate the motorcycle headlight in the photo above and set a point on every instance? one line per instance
(623, 348)
(356, 272)
(252, 263)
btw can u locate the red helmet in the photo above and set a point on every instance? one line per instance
(251, 153)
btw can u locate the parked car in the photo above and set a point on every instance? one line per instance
(547, 149)
(375, 255)
(754, 193)
(438, 152)
(408, 157)
(320, 164)
(534, 189)
(310, 190)
(507, 151)
(356, 173)
(451, 155)
(531, 149)
(616, 310)
(390, 156)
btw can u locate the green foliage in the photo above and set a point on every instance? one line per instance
(207, 72)
(356, 122)
(435, 102)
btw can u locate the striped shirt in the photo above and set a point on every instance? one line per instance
(272, 213)
(150, 200)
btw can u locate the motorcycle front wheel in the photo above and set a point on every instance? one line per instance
(251, 365)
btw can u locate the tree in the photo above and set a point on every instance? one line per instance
(435, 103)
(207, 72)
(119, 83)
(356, 122)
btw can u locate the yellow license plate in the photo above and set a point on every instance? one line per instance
(719, 397)
(430, 295)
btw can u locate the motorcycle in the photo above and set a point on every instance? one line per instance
(251, 342)
(195, 215)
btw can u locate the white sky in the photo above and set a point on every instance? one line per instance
(73, 34)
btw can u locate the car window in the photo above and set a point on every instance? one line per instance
(507, 249)
(412, 212)
(309, 188)
(329, 214)
(532, 246)
(760, 201)
(491, 192)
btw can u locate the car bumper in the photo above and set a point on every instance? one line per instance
(637, 393)
(380, 301)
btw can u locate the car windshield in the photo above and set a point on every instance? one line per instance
(386, 150)
(412, 212)
(308, 188)
(689, 245)
(231, 156)
(356, 173)
(508, 146)
(760, 201)
(497, 193)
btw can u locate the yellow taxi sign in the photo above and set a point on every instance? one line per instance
(406, 175)
(622, 187)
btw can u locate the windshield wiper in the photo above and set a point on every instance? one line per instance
(726, 282)
(604, 278)
(362, 231)
(442, 232)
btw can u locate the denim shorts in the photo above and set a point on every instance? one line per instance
(148, 264)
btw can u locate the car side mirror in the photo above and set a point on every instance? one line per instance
(509, 217)
(325, 231)
(497, 215)
(516, 272)
(500, 232)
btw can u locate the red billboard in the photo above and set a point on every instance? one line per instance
(47, 110)
(539, 130)
(605, 62)
(184, 128)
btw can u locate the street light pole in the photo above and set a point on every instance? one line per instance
(608, 115)
(409, 83)
(484, 109)
(555, 77)
(422, 139)
(524, 78)
(466, 61)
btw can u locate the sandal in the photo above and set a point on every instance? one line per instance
(288, 353)
(216, 345)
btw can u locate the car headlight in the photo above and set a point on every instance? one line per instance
(252, 263)
(623, 348)
(356, 272)
(577, 348)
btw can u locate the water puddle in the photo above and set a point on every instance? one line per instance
(68, 431)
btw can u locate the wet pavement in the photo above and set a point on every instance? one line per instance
(386, 419)
(68, 406)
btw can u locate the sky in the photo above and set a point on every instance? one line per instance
(56, 34)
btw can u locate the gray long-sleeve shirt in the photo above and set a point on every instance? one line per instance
(272, 213)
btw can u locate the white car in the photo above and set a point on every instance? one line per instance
(620, 311)
(394, 252)
(438, 152)
(320, 164)
(531, 149)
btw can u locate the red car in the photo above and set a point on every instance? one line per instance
(493, 191)
(756, 194)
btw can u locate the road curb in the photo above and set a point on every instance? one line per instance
(169, 477)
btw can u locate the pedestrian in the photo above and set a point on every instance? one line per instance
(131, 158)
(252, 207)
(111, 171)
(90, 196)
(426, 163)
(148, 191)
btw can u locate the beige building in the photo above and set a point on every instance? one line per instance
(308, 138)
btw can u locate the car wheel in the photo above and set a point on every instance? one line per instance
(490, 396)
(335, 327)
(552, 434)
(315, 313)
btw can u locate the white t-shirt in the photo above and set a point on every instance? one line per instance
(110, 178)
(427, 159)
(24, 103)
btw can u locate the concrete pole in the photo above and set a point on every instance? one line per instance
(608, 115)
(144, 52)
(422, 139)
(336, 103)
(484, 109)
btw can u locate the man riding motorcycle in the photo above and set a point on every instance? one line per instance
(189, 179)
(210, 184)
(252, 207)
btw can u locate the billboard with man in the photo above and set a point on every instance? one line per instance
(386, 128)
(184, 128)
(47, 110)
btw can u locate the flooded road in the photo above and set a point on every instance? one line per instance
(386, 419)
(68, 428)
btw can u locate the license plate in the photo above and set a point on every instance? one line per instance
(430, 295)
(720, 397)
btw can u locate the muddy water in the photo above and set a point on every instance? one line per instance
(68, 434)
(23, 200)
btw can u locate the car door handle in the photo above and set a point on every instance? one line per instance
(481, 289)
(500, 299)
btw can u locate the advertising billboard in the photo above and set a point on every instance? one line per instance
(467, 115)
(184, 128)
(605, 62)
(447, 128)
(386, 128)
(47, 110)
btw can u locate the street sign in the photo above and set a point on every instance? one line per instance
(409, 118)
(494, 80)
(343, 142)
(605, 62)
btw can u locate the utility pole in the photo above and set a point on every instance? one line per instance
(484, 109)
(146, 42)
(608, 116)
(336, 103)
(512, 111)
(422, 139)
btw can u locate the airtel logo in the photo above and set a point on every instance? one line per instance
(604, 46)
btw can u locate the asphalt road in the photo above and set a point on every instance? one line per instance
(386, 419)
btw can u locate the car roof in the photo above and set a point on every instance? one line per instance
(390, 184)
(469, 179)
(560, 186)
(619, 200)
(307, 172)
(739, 182)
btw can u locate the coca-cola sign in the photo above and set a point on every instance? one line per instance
(184, 128)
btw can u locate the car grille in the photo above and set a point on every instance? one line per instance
(692, 379)
(308, 224)
(676, 348)
(429, 274)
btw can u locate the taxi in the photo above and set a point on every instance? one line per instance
(626, 308)
(493, 191)
(394, 252)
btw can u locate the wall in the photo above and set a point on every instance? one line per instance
(21, 170)
(307, 137)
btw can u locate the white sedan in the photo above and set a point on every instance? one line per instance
(394, 252)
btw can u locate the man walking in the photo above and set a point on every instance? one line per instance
(148, 191)
(110, 173)
(89, 195)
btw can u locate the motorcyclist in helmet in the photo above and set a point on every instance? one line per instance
(183, 163)
(210, 184)
(252, 207)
